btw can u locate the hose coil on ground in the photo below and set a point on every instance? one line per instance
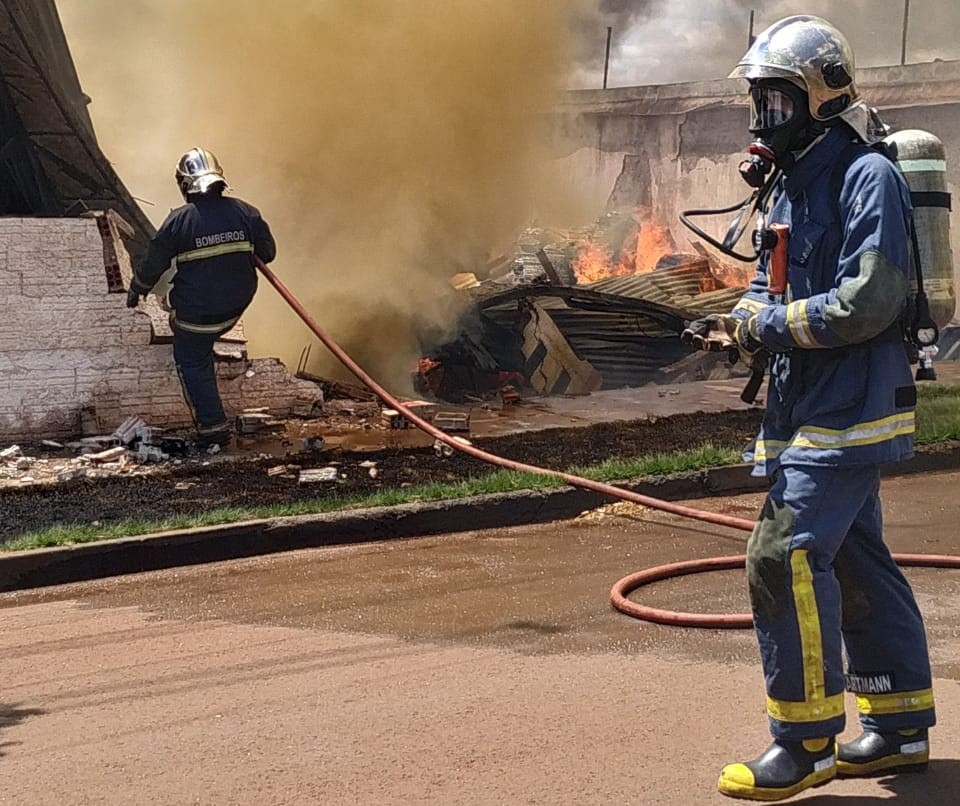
(725, 621)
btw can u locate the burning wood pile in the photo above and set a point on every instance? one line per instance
(572, 312)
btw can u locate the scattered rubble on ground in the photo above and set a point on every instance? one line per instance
(319, 474)
(135, 448)
(572, 312)
(254, 422)
(197, 484)
(441, 448)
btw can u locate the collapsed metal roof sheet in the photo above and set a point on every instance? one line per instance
(678, 286)
(50, 162)
(625, 327)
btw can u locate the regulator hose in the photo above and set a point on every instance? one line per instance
(619, 592)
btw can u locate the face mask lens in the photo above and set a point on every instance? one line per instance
(769, 108)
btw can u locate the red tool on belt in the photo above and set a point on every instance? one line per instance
(775, 239)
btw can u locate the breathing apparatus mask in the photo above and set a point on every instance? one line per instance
(782, 128)
(781, 124)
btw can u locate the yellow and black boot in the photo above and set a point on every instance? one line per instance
(785, 769)
(873, 753)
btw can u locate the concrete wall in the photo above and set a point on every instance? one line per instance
(74, 358)
(677, 147)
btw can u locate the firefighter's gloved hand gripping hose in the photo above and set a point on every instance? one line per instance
(621, 589)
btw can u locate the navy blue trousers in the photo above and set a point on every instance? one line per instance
(822, 580)
(193, 355)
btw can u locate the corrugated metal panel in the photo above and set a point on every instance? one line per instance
(626, 349)
(661, 285)
(679, 287)
(638, 286)
(611, 326)
(633, 363)
(721, 301)
(37, 70)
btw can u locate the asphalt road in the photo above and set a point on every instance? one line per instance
(482, 668)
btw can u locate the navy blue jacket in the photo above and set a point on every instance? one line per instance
(840, 390)
(211, 240)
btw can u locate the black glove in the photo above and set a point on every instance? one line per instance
(133, 298)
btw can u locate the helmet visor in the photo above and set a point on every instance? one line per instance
(770, 107)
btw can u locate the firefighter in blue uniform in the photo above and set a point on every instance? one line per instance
(840, 403)
(210, 242)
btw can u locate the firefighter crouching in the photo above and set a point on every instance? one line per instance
(840, 403)
(209, 244)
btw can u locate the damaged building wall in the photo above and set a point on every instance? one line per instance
(677, 147)
(74, 359)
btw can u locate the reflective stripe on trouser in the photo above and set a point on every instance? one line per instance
(819, 571)
(193, 354)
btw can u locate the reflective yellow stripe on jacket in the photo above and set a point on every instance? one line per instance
(750, 305)
(811, 436)
(799, 326)
(215, 251)
(191, 327)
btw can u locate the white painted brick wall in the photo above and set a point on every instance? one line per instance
(66, 344)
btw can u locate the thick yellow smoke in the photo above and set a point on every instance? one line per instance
(389, 143)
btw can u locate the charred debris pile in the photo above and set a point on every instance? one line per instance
(572, 312)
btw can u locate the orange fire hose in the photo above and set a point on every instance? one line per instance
(727, 621)
(618, 595)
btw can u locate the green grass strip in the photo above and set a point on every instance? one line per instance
(938, 420)
(500, 481)
(938, 414)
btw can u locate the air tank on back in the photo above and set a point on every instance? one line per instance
(921, 158)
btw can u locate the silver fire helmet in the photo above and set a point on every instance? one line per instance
(809, 52)
(198, 171)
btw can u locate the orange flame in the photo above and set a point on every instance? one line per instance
(653, 242)
(592, 263)
(639, 253)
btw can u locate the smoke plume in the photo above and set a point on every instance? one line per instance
(389, 144)
(392, 143)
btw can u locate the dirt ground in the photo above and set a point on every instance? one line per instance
(197, 487)
(482, 668)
